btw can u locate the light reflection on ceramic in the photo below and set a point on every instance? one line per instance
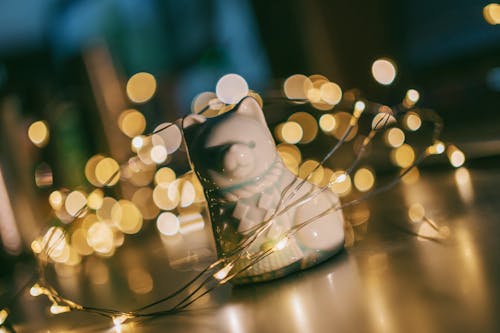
(235, 158)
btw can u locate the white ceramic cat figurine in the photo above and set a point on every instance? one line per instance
(235, 158)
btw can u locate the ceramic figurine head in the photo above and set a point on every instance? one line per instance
(235, 158)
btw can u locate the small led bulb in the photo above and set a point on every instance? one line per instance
(220, 275)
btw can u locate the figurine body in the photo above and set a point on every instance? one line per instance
(243, 176)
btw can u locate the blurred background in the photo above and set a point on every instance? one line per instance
(68, 82)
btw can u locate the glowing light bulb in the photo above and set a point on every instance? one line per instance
(280, 245)
(36, 290)
(138, 142)
(456, 156)
(340, 178)
(3, 316)
(57, 309)
(360, 105)
(440, 147)
(119, 320)
(221, 275)
(437, 148)
(413, 96)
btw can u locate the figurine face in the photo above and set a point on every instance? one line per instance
(235, 147)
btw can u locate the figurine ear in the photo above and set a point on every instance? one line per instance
(193, 119)
(251, 108)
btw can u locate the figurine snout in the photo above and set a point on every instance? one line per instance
(239, 160)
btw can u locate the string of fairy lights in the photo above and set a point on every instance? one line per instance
(93, 223)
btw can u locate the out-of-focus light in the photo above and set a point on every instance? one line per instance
(162, 199)
(364, 179)
(141, 87)
(308, 124)
(289, 132)
(3, 316)
(403, 156)
(327, 123)
(416, 212)
(307, 167)
(437, 148)
(143, 199)
(491, 13)
(187, 193)
(90, 168)
(191, 222)
(94, 200)
(394, 137)
(411, 177)
(139, 281)
(292, 150)
(57, 309)
(56, 200)
(464, 184)
(168, 135)
(340, 183)
(132, 123)
(411, 98)
(104, 212)
(38, 133)
(100, 237)
(359, 106)
(158, 154)
(107, 172)
(36, 246)
(327, 175)
(168, 224)
(296, 86)
(384, 71)
(231, 88)
(164, 175)
(75, 203)
(314, 95)
(201, 101)
(382, 120)
(343, 120)
(119, 320)
(126, 217)
(54, 241)
(138, 142)
(412, 121)
(79, 242)
(456, 156)
(331, 93)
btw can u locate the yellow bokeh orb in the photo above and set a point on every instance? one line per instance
(38, 133)
(141, 87)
